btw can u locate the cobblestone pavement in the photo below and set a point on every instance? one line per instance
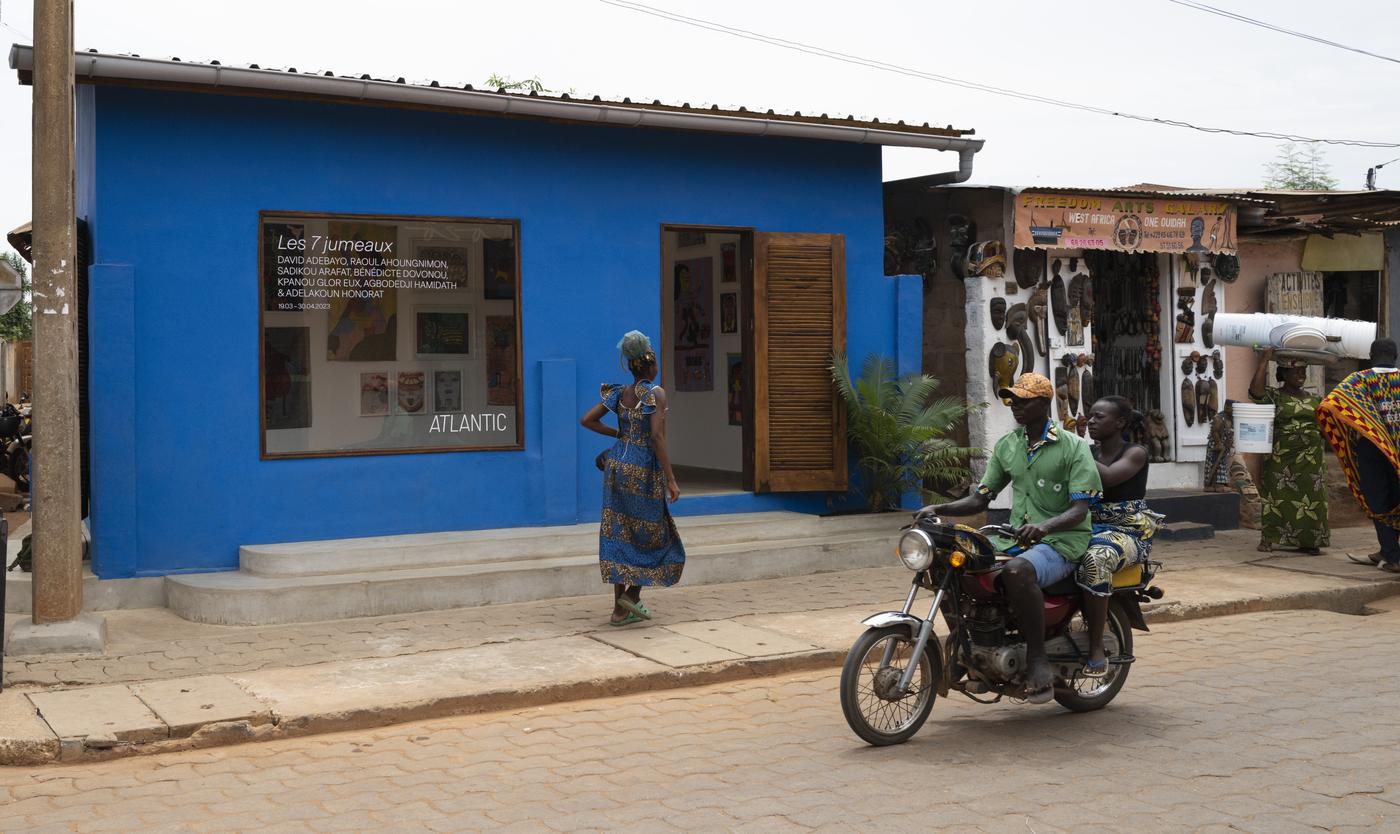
(1273, 722)
(154, 644)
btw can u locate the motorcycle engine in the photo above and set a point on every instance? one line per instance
(1003, 663)
(993, 656)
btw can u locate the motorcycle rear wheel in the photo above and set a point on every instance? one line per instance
(1089, 694)
(865, 694)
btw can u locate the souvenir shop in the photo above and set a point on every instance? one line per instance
(1104, 292)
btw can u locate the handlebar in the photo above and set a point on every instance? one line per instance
(1006, 530)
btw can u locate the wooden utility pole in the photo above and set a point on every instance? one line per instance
(58, 542)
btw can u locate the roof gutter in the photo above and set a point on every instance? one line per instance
(89, 66)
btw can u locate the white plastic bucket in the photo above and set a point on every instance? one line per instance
(1254, 427)
(1272, 330)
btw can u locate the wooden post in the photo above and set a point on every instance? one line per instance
(58, 543)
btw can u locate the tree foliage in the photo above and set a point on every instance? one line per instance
(1299, 168)
(900, 431)
(18, 324)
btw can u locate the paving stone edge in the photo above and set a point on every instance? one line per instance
(1351, 599)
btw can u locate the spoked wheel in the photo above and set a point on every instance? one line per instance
(1083, 694)
(874, 708)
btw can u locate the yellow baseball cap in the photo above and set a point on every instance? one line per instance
(1029, 387)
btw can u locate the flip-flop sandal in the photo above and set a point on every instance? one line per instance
(1059, 305)
(997, 307)
(1188, 402)
(1095, 670)
(628, 620)
(635, 607)
(1029, 266)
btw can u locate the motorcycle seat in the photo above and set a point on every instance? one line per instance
(1128, 577)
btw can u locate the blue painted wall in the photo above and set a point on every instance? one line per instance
(177, 180)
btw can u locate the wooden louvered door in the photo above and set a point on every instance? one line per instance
(799, 320)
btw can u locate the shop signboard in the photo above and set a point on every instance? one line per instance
(1126, 223)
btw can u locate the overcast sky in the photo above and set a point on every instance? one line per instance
(1149, 57)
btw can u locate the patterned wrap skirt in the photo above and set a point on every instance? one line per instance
(1122, 536)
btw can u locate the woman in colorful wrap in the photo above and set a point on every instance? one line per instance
(637, 543)
(1123, 526)
(1292, 484)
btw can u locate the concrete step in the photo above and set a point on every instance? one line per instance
(1186, 531)
(430, 550)
(812, 544)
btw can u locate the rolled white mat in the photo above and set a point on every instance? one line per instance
(1298, 332)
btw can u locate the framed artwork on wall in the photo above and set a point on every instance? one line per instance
(735, 387)
(449, 260)
(692, 327)
(447, 390)
(374, 394)
(363, 329)
(498, 273)
(728, 263)
(286, 377)
(500, 360)
(441, 331)
(729, 312)
(411, 396)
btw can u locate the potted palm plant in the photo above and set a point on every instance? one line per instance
(901, 432)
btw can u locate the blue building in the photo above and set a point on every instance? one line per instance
(324, 307)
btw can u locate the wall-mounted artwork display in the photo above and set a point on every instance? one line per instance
(729, 312)
(286, 377)
(389, 316)
(447, 390)
(498, 279)
(500, 360)
(374, 394)
(735, 363)
(728, 263)
(283, 247)
(693, 327)
(452, 260)
(411, 396)
(440, 332)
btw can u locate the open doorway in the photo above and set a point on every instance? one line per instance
(705, 290)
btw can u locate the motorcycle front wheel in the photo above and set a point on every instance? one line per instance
(873, 708)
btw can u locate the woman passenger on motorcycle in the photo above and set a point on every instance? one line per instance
(1123, 526)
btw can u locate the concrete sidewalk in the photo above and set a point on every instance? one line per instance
(166, 683)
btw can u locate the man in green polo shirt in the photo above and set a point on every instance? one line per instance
(1053, 478)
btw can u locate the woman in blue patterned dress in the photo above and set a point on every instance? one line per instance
(637, 543)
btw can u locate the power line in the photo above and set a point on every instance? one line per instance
(1202, 7)
(798, 46)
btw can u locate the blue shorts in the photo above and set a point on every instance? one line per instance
(1050, 566)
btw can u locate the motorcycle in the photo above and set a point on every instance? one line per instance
(16, 439)
(898, 667)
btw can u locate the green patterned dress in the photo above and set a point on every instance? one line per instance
(1293, 486)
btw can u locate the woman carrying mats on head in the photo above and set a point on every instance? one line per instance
(638, 544)
(1293, 482)
(1123, 526)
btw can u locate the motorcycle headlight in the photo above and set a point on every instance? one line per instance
(915, 550)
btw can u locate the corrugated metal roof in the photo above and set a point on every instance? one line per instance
(92, 65)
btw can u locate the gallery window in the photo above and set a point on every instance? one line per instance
(384, 334)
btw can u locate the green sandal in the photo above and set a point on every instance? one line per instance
(637, 608)
(628, 620)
